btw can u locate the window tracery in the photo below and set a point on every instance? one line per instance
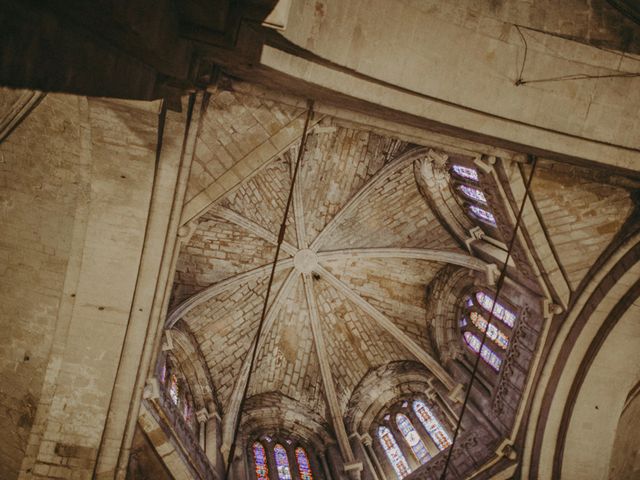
(304, 468)
(394, 454)
(412, 438)
(289, 458)
(260, 462)
(282, 462)
(177, 390)
(431, 424)
(474, 323)
(410, 434)
(471, 194)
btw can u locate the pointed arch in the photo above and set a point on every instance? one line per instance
(260, 461)
(304, 467)
(435, 430)
(282, 462)
(412, 438)
(394, 454)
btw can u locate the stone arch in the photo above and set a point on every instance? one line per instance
(273, 414)
(381, 387)
(592, 362)
(186, 351)
(434, 183)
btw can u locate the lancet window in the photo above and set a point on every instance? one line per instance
(468, 189)
(176, 390)
(475, 322)
(409, 435)
(394, 454)
(286, 457)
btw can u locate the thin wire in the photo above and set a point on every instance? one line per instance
(281, 233)
(524, 60)
(575, 76)
(499, 285)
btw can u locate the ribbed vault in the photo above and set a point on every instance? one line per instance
(349, 290)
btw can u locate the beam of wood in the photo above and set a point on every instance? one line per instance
(252, 227)
(453, 258)
(325, 371)
(222, 286)
(353, 202)
(425, 358)
(233, 411)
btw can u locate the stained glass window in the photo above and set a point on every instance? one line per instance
(494, 332)
(282, 462)
(482, 214)
(304, 468)
(438, 434)
(486, 354)
(500, 312)
(466, 172)
(174, 390)
(260, 460)
(412, 438)
(395, 456)
(473, 193)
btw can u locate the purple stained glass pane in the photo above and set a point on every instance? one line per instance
(473, 193)
(483, 215)
(413, 439)
(394, 454)
(466, 172)
(487, 354)
(304, 468)
(282, 462)
(500, 312)
(435, 430)
(260, 462)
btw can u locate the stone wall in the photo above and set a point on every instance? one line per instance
(45, 180)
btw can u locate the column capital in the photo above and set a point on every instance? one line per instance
(366, 439)
(457, 393)
(353, 470)
(151, 389)
(202, 415)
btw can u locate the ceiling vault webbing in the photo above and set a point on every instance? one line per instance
(254, 345)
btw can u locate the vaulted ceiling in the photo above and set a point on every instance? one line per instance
(360, 247)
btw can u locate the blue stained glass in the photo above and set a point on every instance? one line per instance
(282, 462)
(435, 430)
(482, 214)
(304, 469)
(473, 193)
(395, 456)
(260, 461)
(487, 354)
(412, 438)
(466, 172)
(500, 312)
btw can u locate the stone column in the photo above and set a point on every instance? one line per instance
(336, 465)
(212, 441)
(368, 471)
(403, 445)
(202, 416)
(325, 467)
(111, 309)
(368, 445)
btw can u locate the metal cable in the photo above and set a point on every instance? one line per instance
(499, 285)
(281, 233)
